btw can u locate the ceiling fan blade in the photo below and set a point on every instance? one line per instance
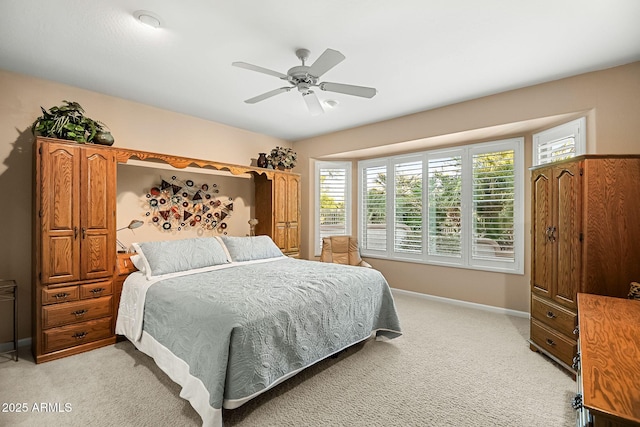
(329, 59)
(267, 95)
(259, 69)
(365, 92)
(313, 104)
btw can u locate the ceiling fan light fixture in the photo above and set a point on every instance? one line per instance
(303, 78)
(330, 103)
(148, 18)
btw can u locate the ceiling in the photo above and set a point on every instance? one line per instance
(418, 54)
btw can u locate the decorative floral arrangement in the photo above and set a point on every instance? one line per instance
(282, 156)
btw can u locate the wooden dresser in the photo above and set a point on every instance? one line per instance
(608, 362)
(586, 238)
(74, 248)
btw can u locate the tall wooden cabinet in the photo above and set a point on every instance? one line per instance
(74, 248)
(277, 209)
(585, 238)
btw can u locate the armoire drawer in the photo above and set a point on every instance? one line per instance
(57, 295)
(557, 317)
(554, 342)
(73, 335)
(74, 312)
(96, 290)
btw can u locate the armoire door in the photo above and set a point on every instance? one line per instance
(98, 213)
(293, 213)
(59, 213)
(542, 223)
(280, 211)
(566, 237)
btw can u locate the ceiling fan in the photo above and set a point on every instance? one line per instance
(304, 77)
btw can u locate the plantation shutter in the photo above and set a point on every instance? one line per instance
(493, 193)
(559, 143)
(445, 205)
(333, 201)
(559, 149)
(408, 207)
(374, 208)
(332, 213)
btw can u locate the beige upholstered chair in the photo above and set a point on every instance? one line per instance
(342, 250)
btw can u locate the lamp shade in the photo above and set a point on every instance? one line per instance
(136, 223)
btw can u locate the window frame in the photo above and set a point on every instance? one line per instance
(466, 260)
(322, 164)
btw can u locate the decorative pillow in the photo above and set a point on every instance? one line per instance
(171, 256)
(251, 248)
(634, 291)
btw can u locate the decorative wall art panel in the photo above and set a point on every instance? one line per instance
(176, 205)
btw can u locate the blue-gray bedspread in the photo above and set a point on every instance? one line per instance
(242, 328)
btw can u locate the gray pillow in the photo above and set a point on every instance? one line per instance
(172, 256)
(251, 248)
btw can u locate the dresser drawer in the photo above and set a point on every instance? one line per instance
(74, 312)
(554, 342)
(558, 318)
(73, 335)
(56, 295)
(95, 290)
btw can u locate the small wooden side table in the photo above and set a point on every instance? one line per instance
(9, 292)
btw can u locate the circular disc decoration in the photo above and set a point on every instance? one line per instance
(175, 205)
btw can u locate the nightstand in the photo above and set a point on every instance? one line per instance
(9, 292)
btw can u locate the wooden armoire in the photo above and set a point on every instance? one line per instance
(585, 238)
(74, 248)
(277, 210)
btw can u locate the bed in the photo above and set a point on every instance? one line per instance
(228, 318)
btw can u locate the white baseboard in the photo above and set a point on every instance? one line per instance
(8, 346)
(468, 304)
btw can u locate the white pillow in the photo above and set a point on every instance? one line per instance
(251, 248)
(138, 262)
(171, 256)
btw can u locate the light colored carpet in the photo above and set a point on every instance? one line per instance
(454, 366)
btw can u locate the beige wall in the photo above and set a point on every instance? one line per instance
(610, 99)
(133, 125)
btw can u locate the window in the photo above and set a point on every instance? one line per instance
(445, 205)
(493, 195)
(373, 208)
(457, 207)
(559, 143)
(333, 200)
(407, 226)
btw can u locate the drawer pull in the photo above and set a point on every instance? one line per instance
(576, 402)
(97, 291)
(576, 330)
(61, 295)
(550, 315)
(576, 362)
(550, 341)
(80, 335)
(80, 313)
